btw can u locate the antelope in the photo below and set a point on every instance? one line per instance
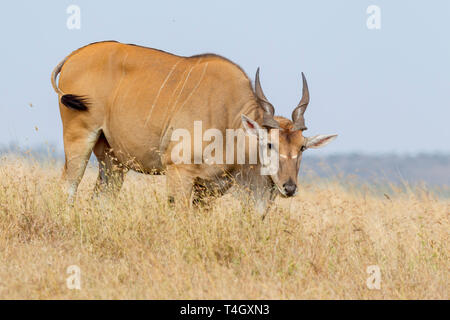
(123, 102)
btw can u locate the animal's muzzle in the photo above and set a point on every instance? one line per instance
(290, 188)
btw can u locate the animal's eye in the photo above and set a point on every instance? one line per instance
(303, 148)
(269, 145)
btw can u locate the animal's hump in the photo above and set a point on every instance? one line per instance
(218, 57)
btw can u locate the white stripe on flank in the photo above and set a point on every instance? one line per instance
(120, 82)
(169, 103)
(159, 91)
(196, 86)
(173, 109)
(184, 84)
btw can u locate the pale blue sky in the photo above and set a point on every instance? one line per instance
(384, 90)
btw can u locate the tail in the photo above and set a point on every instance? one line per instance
(69, 100)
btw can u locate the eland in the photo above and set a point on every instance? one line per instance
(124, 102)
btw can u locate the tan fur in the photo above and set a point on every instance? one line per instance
(136, 97)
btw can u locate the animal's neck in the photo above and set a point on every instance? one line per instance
(251, 109)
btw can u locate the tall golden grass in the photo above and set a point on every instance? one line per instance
(314, 246)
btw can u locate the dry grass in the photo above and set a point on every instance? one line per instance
(315, 246)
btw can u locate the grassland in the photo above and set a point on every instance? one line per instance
(314, 246)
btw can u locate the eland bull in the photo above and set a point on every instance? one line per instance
(124, 102)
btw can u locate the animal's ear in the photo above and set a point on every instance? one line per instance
(250, 126)
(319, 141)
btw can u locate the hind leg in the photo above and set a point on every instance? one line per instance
(78, 144)
(179, 186)
(111, 172)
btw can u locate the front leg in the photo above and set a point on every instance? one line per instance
(264, 200)
(262, 190)
(179, 187)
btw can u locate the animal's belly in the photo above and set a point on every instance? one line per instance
(136, 149)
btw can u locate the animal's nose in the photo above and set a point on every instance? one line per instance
(290, 188)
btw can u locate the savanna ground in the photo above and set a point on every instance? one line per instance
(314, 246)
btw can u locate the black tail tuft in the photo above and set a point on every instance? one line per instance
(75, 102)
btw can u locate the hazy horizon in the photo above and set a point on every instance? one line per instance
(430, 168)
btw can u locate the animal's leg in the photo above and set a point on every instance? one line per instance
(111, 172)
(256, 190)
(179, 187)
(264, 203)
(205, 192)
(201, 195)
(78, 144)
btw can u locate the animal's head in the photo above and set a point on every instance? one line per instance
(287, 145)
